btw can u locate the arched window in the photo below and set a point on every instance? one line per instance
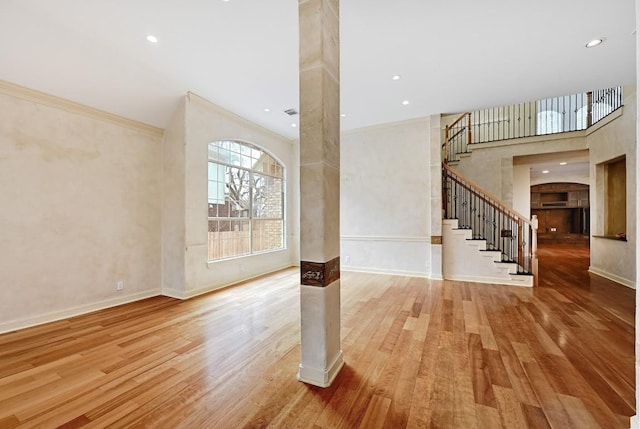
(246, 200)
(548, 122)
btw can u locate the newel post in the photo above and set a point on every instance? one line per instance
(534, 235)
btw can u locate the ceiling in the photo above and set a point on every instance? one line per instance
(452, 56)
(571, 166)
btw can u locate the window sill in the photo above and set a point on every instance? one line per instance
(610, 237)
(214, 262)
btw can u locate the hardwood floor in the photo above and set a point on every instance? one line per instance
(418, 354)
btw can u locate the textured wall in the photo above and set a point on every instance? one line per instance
(80, 198)
(611, 258)
(385, 198)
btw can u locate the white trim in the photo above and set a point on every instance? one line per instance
(491, 280)
(75, 311)
(191, 96)
(319, 376)
(612, 277)
(28, 94)
(368, 270)
(178, 294)
(400, 239)
(173, 293)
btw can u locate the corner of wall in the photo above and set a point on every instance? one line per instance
(173, 203)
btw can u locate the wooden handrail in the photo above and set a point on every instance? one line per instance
(496, 203)
(449, 138)
(458, 120)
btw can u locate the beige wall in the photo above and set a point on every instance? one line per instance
(611, 258)
(385, 198)
(522, 190)
(80, 208)
(173, 202)
(186, 271)
(89, 199)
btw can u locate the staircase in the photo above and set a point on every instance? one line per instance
(483, 239)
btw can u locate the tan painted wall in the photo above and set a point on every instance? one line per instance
(385, 198)
(173, 203)
(80, 208)
(611, 258)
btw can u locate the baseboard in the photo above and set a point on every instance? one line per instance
(173, 293)
(178, 294)
(488, 280)
(612, 277)
(75, 311)
(387, 272)
(321, 377)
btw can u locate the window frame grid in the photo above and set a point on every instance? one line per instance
(250, 217)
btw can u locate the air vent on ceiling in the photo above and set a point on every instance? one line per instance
(291, 112)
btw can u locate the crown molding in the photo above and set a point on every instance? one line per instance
(193, 97)
(32, 95)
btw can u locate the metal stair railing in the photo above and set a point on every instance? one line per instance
(503, 228)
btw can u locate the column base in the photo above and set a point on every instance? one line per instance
(321, 377)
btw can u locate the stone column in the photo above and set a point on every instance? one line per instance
(321, 356)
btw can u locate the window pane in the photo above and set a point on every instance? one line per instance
(228, 239)
(245, 200)
(267, 197)
(238, 192)
(217, 183)
(267, 235)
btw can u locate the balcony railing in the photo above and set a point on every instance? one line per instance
(536, 118)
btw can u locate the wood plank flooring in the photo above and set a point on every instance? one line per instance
(418, 354)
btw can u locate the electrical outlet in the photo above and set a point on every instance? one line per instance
(347, 260)
(120, 285)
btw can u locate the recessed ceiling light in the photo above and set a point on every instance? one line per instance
(545, 171)
(267, 110)
(595, 42)
(342, 115)
(151, 38)
(563, 163)
(293, 125)
(396, 77)
(405, 102)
